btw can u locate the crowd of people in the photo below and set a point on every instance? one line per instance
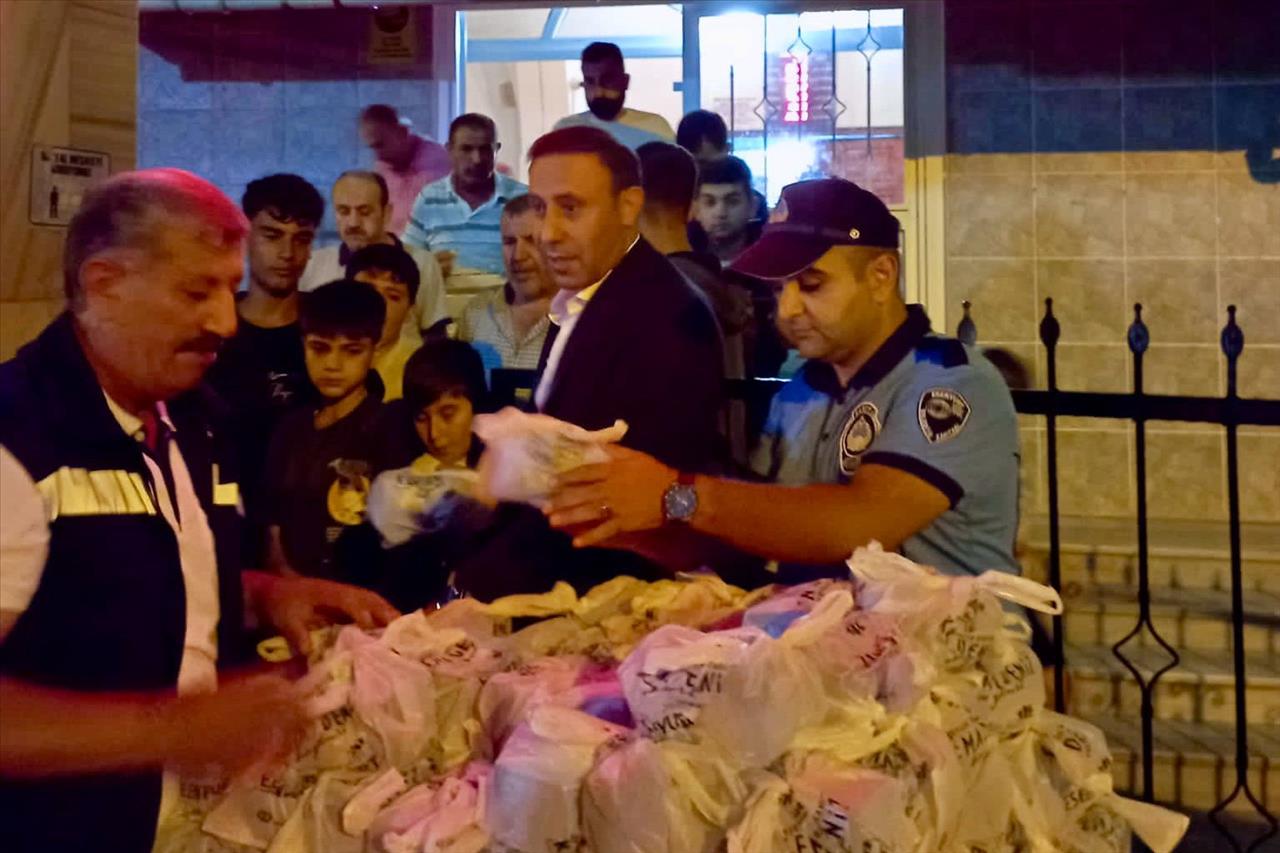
(331, 471)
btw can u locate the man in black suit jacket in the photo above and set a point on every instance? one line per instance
(631, 338)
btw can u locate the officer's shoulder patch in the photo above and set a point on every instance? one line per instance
(942, 413)
(944, 352)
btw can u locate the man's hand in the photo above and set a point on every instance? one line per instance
(296, 605)
(445, 259)
(259, 719)
(601, 501)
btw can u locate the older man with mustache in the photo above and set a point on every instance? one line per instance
(121, 591)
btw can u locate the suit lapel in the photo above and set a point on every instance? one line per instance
(597, 337)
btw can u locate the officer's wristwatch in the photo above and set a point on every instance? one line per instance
(680, 500)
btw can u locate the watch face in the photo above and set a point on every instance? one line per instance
(680, 502)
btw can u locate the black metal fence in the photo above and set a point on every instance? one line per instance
(1138, 407)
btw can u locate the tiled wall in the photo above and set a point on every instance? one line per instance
(239, 96)
(1097, 155)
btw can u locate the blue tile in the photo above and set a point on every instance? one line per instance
(1072, 120)
(310, 94)
(248, 144)
(1168, 43)
(988, 46)
(1248, 116)
(248, 95)
(161, 85)
(321, 143)
(398, 93)
(989, 122)
(1247, 41)
(1077, 46)
(180, 138)
(1168, 118)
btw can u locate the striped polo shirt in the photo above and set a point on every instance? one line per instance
(442, 220)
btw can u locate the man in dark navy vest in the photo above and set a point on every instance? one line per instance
(120, 587)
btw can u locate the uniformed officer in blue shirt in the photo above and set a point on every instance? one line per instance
(889, 433)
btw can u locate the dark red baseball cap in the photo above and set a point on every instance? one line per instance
(811, 217)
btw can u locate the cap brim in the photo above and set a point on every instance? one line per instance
(779, 255)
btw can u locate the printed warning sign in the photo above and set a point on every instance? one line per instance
(59, 179)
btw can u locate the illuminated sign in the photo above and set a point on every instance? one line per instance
(795, 88)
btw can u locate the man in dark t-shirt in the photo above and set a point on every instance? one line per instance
(260, 372)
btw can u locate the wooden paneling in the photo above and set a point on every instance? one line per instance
(68, 76)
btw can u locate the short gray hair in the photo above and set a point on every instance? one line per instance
(127, 209)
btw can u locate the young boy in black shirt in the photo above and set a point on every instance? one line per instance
(323, 459)
(260, 373)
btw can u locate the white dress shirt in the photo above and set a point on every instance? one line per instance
(566, 307)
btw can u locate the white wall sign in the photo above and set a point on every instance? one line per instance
(59, 179)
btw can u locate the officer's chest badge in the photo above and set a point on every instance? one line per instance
(942, 414)
(859, 432)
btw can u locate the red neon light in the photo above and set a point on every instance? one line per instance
(795, 89)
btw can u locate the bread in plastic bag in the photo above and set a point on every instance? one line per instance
(525, 452)
(1065, 771)
(407, 502)
(441, 817)
(775, 614)
(647, 797)
(537, 778)
(507, 698)
(724, 687)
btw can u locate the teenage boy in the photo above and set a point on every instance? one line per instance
(260, 372)
(392, 272)
(321, 460)
(724, 209)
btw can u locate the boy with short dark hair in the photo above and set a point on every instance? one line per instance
(393, 273)
(322, 458)
(260, 372)
(725, 207)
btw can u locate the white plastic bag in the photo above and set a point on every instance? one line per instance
(524, 453)
(405, 502)
(444, 817)
(740, 690)
(776, 613)
(647, 797)
(538, 777)
(1064, 770)
(393, 695)
(507, 698)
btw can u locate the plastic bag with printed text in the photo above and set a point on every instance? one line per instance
(537, 779)
(1064, 770)
(442, 817)
(647, 797)
(524, 453)
(723, 688)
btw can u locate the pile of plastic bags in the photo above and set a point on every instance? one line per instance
(897, 711)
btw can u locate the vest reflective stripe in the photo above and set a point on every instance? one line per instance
(77, 491)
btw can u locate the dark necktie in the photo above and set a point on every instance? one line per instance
(156, 437)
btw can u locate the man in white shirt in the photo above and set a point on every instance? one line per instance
(120, 584)
(363, 210)
(605, 81)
